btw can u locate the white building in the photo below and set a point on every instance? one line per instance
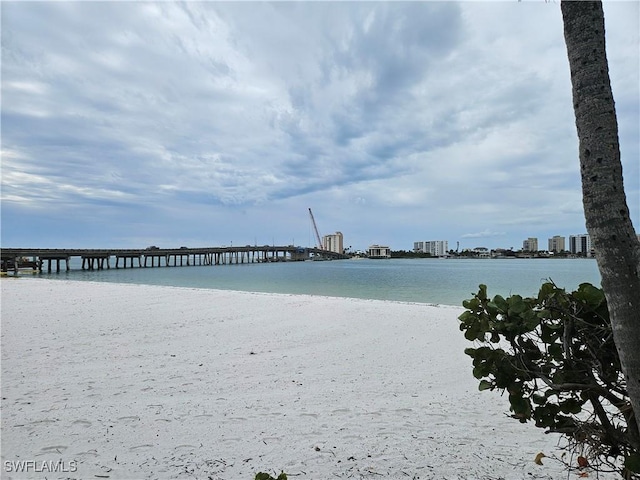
(580, 244)
(379, 251)
(556, 244)
(333, 243)
(436, 248)
(530, 245)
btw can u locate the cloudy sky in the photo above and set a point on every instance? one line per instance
(126, 124)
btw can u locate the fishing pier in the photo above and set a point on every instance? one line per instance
(57, 259)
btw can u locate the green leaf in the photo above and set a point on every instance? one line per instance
(571, 406)
(466, 317)
(556, 351)
(483, 353)
(531, 320)
(520, 406)
(500, 303)
(471, 334)
(516, 305)
(632, 463)
(538, 399)
(589, 294)
(482, 292)
(546, 290)
(544, 314)
(549, 333)
(485, 385)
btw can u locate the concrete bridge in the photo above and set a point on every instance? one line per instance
(15, 259)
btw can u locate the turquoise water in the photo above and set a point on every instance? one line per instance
(435, 281)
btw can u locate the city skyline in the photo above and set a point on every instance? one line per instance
(533, 244)
(127, 124)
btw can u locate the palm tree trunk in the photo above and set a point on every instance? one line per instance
(613, 237)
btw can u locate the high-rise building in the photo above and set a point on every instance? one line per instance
(530, 245)
(333, 243)
(556, 244)
(435, 248)
(580, 244)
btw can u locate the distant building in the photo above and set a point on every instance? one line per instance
(378, 251)
(530, 245)
(580, 244)
(333, 243)
(482, 252)
(556, 244)
(435, 248)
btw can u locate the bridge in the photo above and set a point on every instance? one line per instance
(15, 259)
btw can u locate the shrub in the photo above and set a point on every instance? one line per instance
(555, 357)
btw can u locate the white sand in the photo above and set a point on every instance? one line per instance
(163, 383)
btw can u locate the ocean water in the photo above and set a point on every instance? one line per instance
(434, 281)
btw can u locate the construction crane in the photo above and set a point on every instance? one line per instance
(315, 227)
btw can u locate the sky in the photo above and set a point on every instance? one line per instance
(128, 124)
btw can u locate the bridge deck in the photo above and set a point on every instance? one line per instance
(14, 259)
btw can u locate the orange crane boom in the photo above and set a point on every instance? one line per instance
(313, 220)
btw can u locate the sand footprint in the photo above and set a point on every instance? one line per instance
(341, 410)
(129, 419)
(88, 453)
(314, 415)
(82, 423)
(158, 408)
(145, 446)
(185, 447)
(54, 448)
(44, 420)
(238, 419)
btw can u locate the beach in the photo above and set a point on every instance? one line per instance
(117, 381)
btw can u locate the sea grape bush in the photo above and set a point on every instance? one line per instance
(555, 357)
(267, 476)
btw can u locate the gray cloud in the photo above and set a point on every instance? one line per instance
(393, 120)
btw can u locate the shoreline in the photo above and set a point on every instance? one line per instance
(137, 381)
(32, 277)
